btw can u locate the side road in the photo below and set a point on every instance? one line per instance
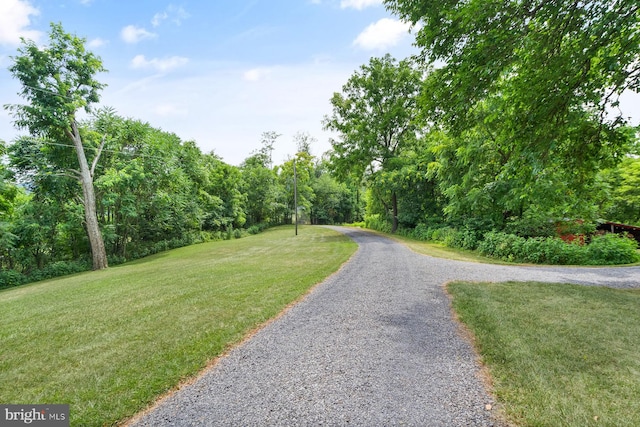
(375, 344)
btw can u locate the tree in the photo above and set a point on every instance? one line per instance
(554, 69)
(58, 81)
(10, 195)
(304, 166)
(266, 151)
(258, 181)
(304, 141)
(624, 194)
(225, 182)
(375, 116)
(260, 184)
(333, 201)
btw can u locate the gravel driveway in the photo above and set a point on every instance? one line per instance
(373, 345)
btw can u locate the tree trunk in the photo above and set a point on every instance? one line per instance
(98, 252)
(394, 207)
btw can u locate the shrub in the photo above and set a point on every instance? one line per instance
(10, 278)
(531, 226)
(507, 247)
(254, 229)
(57, 269)
(465, 239)
(553, 250)
(612, 249)
(443, 234)
(603, 250)
(257, 228)
(116, 259)
(374, 222)
(422, 232)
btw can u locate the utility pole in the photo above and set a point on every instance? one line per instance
(295, 193)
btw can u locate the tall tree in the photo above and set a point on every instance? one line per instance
(266, 151)
(375, 116)
(57, 81)
(258, 182)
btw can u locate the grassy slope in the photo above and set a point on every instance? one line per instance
(109, 342)
(558, 354)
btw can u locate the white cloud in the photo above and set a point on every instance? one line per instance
(382, 34)
(15, 18)
(218, 108)
(162, 65)
(96, 43)
(158, 18)
(132, 34)
(359, 4)
(173, 13)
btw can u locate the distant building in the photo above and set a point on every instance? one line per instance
(613, 227)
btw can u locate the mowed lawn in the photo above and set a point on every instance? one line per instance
(559, 355)
(108, 343)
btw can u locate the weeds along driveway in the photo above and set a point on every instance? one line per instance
(373, 345)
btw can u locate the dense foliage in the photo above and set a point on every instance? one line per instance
(514, 128)
(154, 192)
(375, 116)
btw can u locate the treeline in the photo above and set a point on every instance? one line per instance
(78, 194)
(154, 192)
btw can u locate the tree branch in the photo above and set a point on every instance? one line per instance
(97, 157)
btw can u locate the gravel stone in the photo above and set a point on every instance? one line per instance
(373, 345)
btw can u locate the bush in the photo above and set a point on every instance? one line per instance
(374, 222)
(116, 259)
(553, 250)
(444, 234)
(360, 224)
(422, 232)
(257, 228)
(254, 229)
(464, 239)
(58, 269)
(11, 278)
(603, 250)
(507, 247)
(611, 248)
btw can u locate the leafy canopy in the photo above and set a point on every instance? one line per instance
(374, 115)
(57, 81)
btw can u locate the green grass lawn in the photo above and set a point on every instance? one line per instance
(110, 342)
(559, 355)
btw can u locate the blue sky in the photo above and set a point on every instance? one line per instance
(217, 72)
